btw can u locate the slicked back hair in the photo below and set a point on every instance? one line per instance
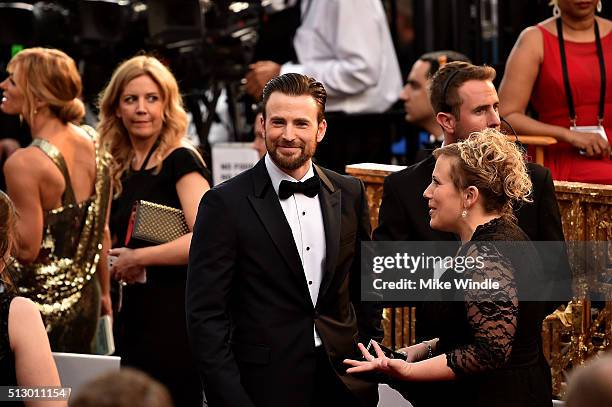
(294, 84)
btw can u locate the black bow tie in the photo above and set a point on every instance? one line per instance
(310, 188)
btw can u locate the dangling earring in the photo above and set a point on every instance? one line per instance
(556, 10)
(35, 111)
(599, 6)
(464, 213)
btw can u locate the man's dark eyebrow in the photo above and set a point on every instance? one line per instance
(480, 107)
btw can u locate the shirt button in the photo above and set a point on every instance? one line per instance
(310, 283)
(303, 213)
(307, 248)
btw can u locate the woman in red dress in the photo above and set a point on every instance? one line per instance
(534, 73)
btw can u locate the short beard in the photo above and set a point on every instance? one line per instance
(291, 164)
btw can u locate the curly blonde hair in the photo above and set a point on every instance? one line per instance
(494, 165)
(114, 137)
(49, 75)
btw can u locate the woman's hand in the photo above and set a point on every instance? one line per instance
(127, 267)
(396, 368)
(592, 143)
(106, 305)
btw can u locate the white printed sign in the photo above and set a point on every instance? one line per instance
(230, 159)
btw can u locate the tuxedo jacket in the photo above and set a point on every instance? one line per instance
(249, 313)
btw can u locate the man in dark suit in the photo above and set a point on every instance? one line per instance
(464, 100)
(273, 289)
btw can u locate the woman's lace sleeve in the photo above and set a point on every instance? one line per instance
(492, 314)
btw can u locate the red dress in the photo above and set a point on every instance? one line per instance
(549, 100)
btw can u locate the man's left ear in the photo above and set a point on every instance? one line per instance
(262, 122)
(321, 130)
(471, 195)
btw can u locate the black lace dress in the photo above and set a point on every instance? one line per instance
(491, 342)
(150, 330)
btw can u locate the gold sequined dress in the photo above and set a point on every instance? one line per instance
(62, 280)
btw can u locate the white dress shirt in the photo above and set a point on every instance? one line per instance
(306, 221)
(346, 45)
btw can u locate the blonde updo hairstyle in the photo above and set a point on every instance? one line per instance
(50, 76)
(114, 136)
(492, 164)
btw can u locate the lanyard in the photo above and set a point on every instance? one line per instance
(602, 70)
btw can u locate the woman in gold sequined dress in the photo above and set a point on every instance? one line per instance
(61, 190)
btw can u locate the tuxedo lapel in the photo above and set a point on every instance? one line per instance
(329, 198)
(267, 207)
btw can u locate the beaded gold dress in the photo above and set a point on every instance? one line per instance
(62, 280)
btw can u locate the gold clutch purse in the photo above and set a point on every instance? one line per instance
(156, 223)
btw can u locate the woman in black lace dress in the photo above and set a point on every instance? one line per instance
(486, 350)
(25, 354)
(142, 125)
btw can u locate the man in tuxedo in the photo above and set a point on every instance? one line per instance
(273, 288)
(464, 100)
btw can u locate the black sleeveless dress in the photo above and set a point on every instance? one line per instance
(150, 330)
(7, 357)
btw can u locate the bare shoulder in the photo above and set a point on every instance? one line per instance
(24, 321)
(530, 46)
(25, 161)
(530, 37)
(82, 138)
(82, 133)
(550, 25)
(605, 26)
(23, 310)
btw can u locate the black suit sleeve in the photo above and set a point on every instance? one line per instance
(212, 258)
(369, 314)
(549, 216)
(391, 217)
(555, 259)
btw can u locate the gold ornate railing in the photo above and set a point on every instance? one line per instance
(580, 330)
(573, 333)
